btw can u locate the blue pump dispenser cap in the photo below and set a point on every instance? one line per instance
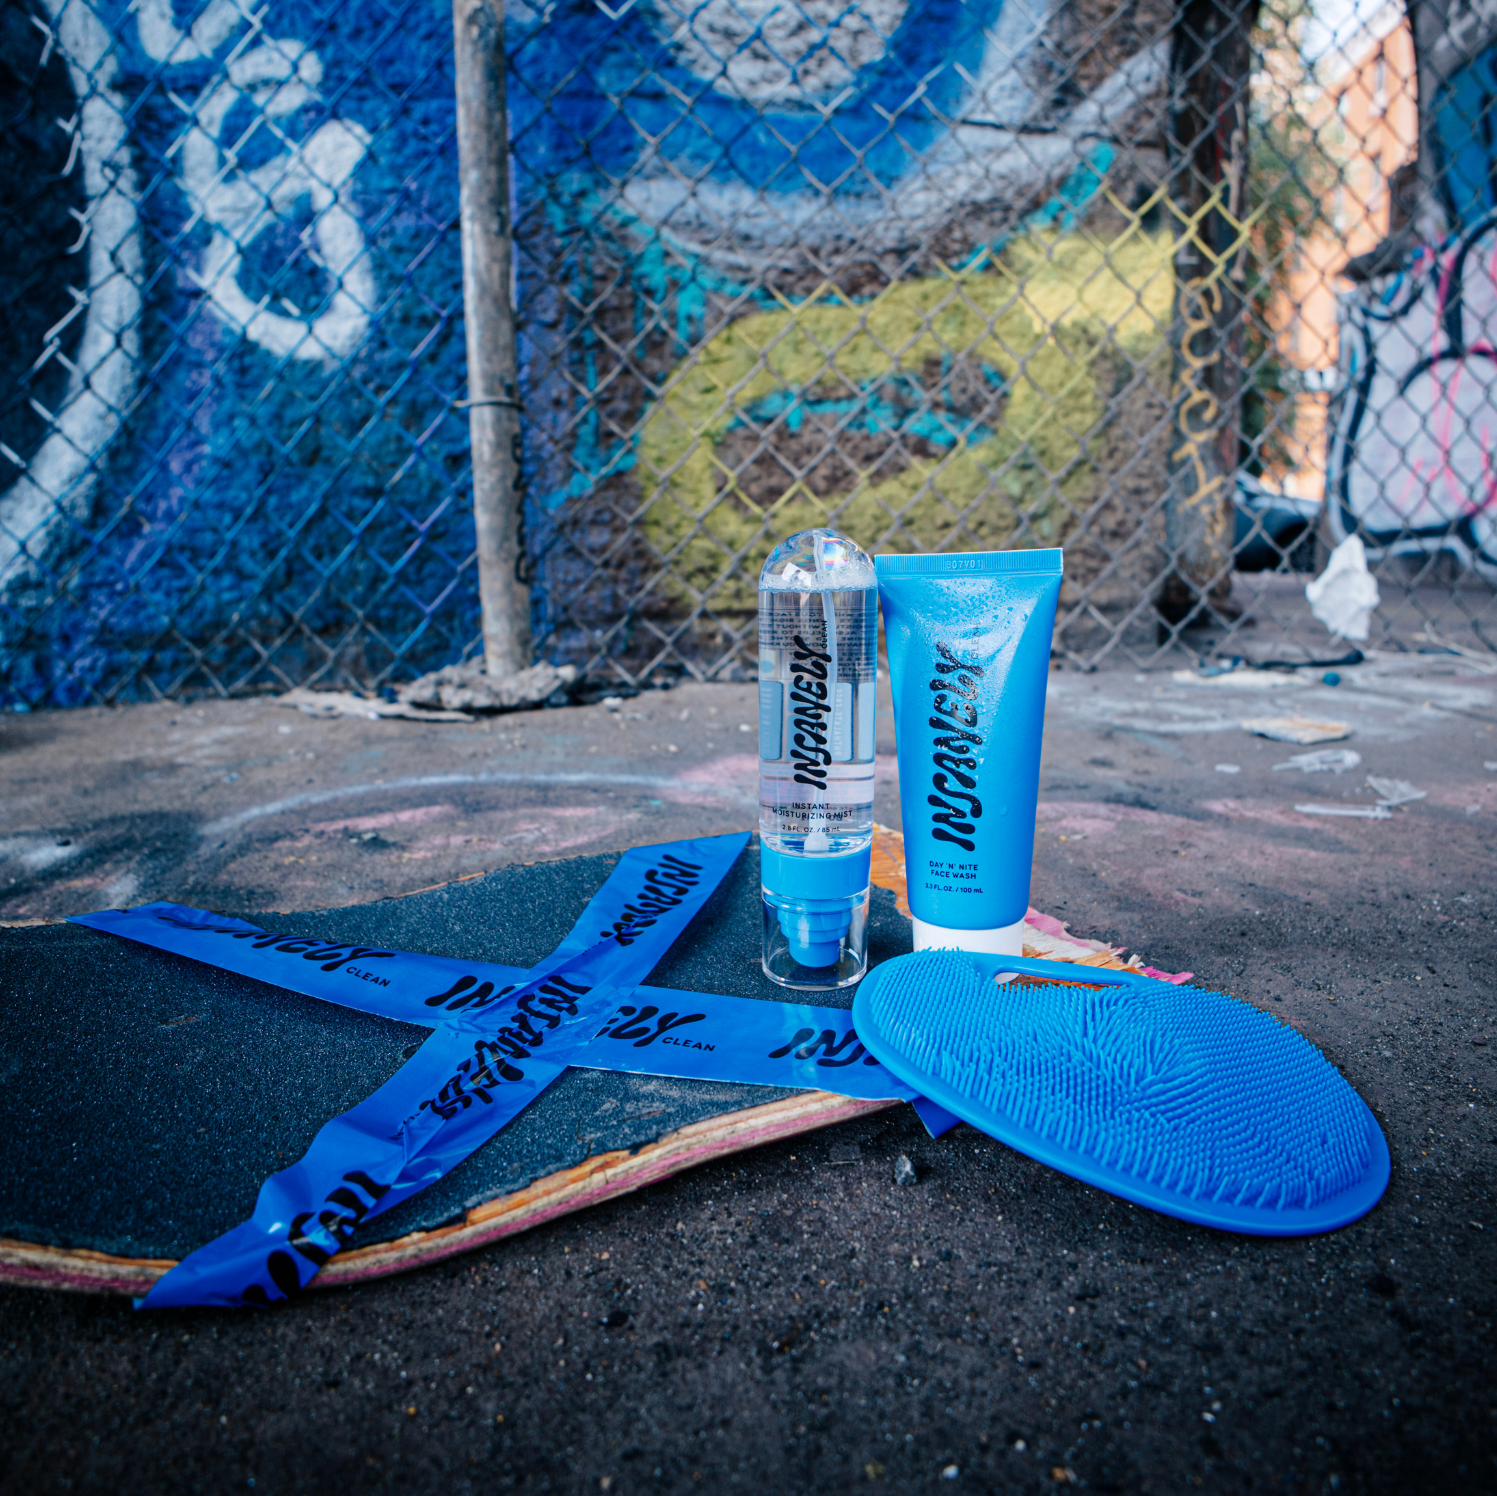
(811, 895)
(809, 876)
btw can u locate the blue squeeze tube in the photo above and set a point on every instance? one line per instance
(969, 656)
(818, 680)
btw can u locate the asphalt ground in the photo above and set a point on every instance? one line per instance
(793, 1318)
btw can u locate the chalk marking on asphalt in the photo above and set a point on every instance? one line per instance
(661, 782)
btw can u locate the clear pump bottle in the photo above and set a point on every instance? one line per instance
(818, 685)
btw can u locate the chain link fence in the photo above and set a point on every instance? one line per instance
(1152, 281)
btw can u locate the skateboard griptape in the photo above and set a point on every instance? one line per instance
(147, 1095)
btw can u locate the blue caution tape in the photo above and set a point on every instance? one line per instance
(649, 885)
(489, 1058)
(501, 1036)
(698, 1036)
(705, 1036)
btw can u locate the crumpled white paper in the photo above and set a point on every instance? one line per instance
(1332, 760)
(1395, 791)
(1343, 596)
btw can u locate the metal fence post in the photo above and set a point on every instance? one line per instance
(1212, 69)
(493, 404)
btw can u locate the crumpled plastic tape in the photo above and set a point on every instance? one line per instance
(497, 1047)
(581, 1006)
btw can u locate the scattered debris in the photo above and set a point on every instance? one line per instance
(466, 687)
(904, 1170)
(1480, 659)
(1359, 812)
(1323, 760)
(787, 1341)
(1331, 678)
(950, 1472)
(371, 709)
(1344, 595)
(1241, 677)
(1229, 768)
(1297, 729)
(1394, 791)
(1351, 657)
(1473, 810)
(1491, 766)
(614, 703)
(848, 1153)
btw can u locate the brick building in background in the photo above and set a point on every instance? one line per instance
(1366, 118)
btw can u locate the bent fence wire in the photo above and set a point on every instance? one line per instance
(1143, 280)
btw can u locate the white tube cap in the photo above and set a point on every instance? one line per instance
(1006, 940)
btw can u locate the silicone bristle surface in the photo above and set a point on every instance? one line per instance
(1187, 1091)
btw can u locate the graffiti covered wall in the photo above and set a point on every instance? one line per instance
(896, 266)
(233, 340)
(878, 266)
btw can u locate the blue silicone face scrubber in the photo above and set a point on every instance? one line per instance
(1189, 1102)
